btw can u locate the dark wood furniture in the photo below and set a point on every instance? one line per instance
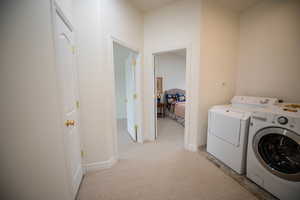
(160, 109)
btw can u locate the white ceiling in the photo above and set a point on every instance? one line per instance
(179, 52)
(146, 5)
(237, 5)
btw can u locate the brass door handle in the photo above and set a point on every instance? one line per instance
(70, 123)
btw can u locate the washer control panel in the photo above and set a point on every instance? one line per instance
(286, 121)
(282, 120)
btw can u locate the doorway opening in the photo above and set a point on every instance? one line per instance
(170, 95)
(125, 76)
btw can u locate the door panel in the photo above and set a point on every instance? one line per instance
(226, 125)
(65, 58)
(131, 96)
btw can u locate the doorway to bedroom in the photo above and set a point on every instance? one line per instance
(170, 95)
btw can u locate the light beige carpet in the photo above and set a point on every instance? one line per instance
(161, 170)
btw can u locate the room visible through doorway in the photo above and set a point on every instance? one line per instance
(170, 95)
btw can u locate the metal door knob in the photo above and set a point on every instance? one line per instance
(70, 123)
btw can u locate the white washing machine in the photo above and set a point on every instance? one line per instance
(273, 158)
(228, 129)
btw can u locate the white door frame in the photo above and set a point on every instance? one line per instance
(188, 83)
(55, 8)
(139, 111)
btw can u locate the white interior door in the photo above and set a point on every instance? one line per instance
(65, 56)
(131, 96)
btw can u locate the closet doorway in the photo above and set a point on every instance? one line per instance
(170, 95)
(126, 62)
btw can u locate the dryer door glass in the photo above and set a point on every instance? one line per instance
(279, 151)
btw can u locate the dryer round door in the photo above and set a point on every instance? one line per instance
(278, 150)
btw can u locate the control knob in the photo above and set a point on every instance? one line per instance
(282, 120)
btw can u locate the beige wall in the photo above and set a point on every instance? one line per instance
(89, 39)
(173, 26)
(96, 20)
(31, 140)
(213, 69)
(171, 68)
(269, 61)
(219, 58)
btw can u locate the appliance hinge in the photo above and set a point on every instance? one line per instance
(77, 104)
(82, 153)
(73, 49)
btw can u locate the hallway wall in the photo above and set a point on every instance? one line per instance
(219, 58)
(187, 23)
(176, 25)
(96, 21)
(33, 164)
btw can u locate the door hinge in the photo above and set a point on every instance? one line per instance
(73, 49)
(135, 96)
(77, 104)
(82, 153)
(133, 62)
(136, 130)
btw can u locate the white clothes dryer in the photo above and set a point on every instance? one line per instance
(228, 129)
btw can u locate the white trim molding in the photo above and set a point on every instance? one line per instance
(192, 147)
(189, 134)
(95, 166)
(111, 39)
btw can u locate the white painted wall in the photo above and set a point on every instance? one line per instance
(93, 97)
(67, 7)
(171, 68)
(219, 58)
(174, 26)
(269, 50)
(96, 20)
(32, 152)
(121, 55)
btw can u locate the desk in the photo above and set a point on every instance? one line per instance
(160, 109)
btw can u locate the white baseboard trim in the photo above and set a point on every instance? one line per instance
(95, 166)
(191, 147)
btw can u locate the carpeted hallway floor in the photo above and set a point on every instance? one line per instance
(162, 170)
